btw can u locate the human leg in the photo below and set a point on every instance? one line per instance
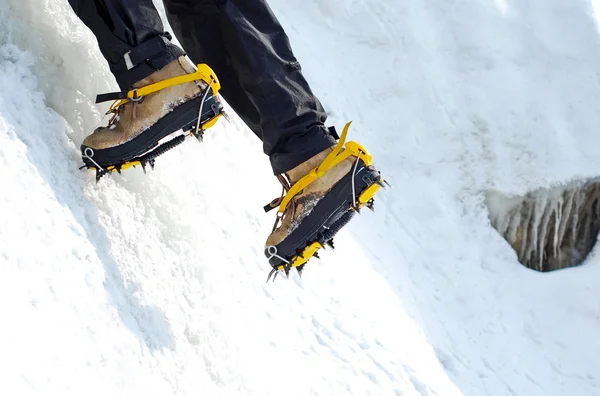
(130, 27)
(244, 43)
(131, 37)
(249, 50)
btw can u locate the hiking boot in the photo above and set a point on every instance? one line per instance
(138, 125)
(136, 117)
(324, 205)
(305, 201)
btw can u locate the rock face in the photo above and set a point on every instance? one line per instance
(549, 229)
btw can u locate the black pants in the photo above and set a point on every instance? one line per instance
(245, 45)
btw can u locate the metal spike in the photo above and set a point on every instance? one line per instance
(330, 244)
(143, 166)
(274, 272)
(99, 174)
(226, 116)
(371, 205)
(152, 162)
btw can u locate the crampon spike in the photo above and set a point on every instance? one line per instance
(274, 272)
(100, 173)
(330, 244)
(226, 116)
(371, 205)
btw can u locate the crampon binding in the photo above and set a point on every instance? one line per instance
(353, 192)
(192, 118)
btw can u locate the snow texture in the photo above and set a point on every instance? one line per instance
(154, 285)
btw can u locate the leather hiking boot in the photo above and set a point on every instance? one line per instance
(137, 117)
(306, 200)
(321, 196)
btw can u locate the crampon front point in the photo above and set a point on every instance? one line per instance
(192, 118)
(348, 196)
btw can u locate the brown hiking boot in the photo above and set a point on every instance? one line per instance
(306, 200)
(323, 195)
(137, 117)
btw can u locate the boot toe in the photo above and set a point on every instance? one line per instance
(102, 138)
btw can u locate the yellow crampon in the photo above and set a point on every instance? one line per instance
(341, 152)
(126, 165)
(203, 73)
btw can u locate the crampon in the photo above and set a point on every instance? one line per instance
(192, 118)
(348, 196)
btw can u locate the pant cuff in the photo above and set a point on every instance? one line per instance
(301, 148)
(126, 78)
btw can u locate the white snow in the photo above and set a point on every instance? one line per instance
(154, 284)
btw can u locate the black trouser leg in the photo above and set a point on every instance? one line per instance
(245, 45)
(131, 27)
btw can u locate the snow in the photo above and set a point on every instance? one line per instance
(154, 284)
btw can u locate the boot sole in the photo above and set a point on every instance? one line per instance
(184, 116)
(330, 214)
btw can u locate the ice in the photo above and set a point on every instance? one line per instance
(155, 284)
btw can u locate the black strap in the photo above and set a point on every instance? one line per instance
(271, 205)
(334, 133)
(147, 50)
(142, 52)
(135, 57)
(107, 97)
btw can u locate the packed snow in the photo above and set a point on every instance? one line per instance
(155, 284)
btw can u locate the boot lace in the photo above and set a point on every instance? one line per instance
(116, 109)
(286, 185)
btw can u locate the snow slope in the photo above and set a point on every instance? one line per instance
(155, 284)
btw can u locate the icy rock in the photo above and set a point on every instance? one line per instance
(549, 229)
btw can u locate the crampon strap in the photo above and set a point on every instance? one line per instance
(203, 73)
(340, 152)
